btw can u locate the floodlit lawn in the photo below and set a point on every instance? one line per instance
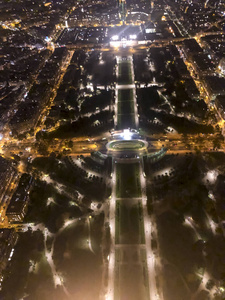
(125, 76)
(128, 181)
(131, 280)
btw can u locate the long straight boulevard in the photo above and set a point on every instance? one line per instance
(131, 260)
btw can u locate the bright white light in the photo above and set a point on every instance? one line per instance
(126, 135)
(49, 201)
(150, 30)
(1, 136)
(211, 196)
(68, 223)
(47, 39)
(90, 86)
(211, 176)
(115, 44)
(133, 36)
(57, 279)
(115, 37)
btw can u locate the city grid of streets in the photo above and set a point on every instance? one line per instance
(128, 245)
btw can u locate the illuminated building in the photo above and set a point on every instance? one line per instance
(222, 66)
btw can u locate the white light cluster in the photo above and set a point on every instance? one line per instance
(115, 37)
(133, 36)
(126, 135)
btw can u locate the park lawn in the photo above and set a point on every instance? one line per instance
(180, 254)
(131, 280)
(125, 76)
(128, 181)
(125, 107)
(126, 121)
(129, 222)
(126, 116)
(125, 95)
(82, 267)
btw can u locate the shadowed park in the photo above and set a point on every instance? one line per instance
(129, 222)
(131, 280)
(128, 181)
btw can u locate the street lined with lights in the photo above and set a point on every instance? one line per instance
(123, 142)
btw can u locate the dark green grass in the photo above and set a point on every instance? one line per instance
(128, 181)
(126, 121)
(125, 107)
(125, 76)
(125, 94)
(129, 222)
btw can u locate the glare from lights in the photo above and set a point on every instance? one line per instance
(133, 36)
(115, 37)
(150, 30)
(47, 39)
(211, 176)
(126, 135)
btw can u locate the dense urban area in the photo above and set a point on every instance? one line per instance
(112, 163)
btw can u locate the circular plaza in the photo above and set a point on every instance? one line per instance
(134, 146)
